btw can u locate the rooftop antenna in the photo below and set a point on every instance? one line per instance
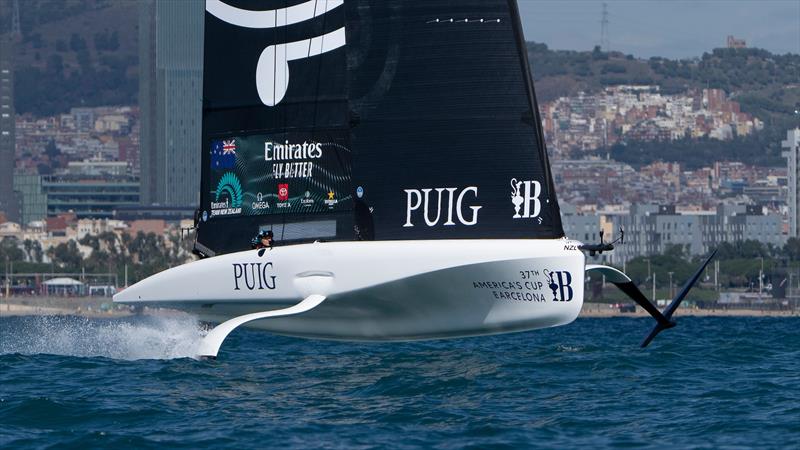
(16, 30)
(604, 43)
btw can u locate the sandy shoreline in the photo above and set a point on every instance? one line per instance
(92, 308)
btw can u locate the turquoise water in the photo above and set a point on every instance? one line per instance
(709, 383)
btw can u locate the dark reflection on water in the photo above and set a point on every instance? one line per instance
(711, 382)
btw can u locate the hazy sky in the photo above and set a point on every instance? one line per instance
(669, 28)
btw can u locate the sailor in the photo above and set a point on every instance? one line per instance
(263, 240)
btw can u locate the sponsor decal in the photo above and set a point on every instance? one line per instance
(253, 276)
(525, 197)
(290, 160)
(521, 291)
(205, 216)
(283, 196)
(528, 287)
(272, 70)
(223, 154)
(456, 206)
(331, 201)
(287, 159)
(307, 200)
(229, 196)
(283, 192)
(359, 192)
(560, 282)
(260, 203)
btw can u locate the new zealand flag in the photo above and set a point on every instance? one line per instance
(223, 154)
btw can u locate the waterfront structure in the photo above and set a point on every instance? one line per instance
(650, 229)
(9, 204)
(792, 155)
(170, 99)
(87, 196)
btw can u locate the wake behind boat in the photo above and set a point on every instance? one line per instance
(395, 150)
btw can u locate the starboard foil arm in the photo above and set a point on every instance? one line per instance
(209, 346)
(625, 284)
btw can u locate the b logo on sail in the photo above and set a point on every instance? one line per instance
(525, 197)
(272, 71)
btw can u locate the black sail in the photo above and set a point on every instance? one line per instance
(370, 120)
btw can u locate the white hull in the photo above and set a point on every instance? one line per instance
(389, 290)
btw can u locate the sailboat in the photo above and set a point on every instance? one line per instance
(394, 148)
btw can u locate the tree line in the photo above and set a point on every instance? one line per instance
(740, 265)
(143, 254)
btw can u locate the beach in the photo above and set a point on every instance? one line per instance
(99, 307)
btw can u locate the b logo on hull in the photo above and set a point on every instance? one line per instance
(560, 282)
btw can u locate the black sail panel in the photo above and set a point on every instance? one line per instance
(394, 119)
(447, 143)
(275, 124)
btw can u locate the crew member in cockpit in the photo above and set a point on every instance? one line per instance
(263, 240)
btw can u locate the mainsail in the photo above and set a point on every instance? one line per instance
(370, 120)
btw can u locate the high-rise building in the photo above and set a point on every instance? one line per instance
(170, 100)
(9, 204)
(792, 155)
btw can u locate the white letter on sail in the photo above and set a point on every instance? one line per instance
(427, 193)
(474, 209)
(410, 208)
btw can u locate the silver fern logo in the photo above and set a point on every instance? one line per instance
(229, 196)
(272, 71)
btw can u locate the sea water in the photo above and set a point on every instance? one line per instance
(68, 382)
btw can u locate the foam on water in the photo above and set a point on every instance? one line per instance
(140, 337)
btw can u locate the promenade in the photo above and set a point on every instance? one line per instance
(98, 307)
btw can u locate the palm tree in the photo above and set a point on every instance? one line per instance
(28, 246)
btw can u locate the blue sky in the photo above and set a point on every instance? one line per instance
(669, 28)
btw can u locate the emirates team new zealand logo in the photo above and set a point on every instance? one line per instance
(272, 71)
(228, 200)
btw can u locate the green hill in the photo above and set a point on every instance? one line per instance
(74, 53)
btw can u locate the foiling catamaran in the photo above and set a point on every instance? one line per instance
(395, 149)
